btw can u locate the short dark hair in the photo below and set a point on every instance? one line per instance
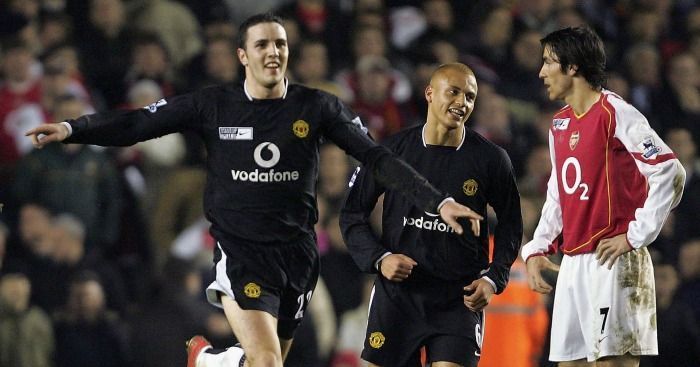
(582, 47)
(255, 20)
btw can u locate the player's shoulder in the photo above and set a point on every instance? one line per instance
(229, 90)
(618, 105)
(303, 92)
(481, 143)
(405, 137)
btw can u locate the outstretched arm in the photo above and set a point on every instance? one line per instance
(123, 128)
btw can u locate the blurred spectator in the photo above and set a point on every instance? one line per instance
(87, 333)
(487, 46)
(689, 268)
(175, 313)
(352, 329)
(173, 23)
(311, 67)
(642, 65)
(334, 172)
(150, 60)
(686, 150)
(538, 168)
(617, 83)
(56, 28)
(217, 65)
(678, 105)
(320, 19)
(521, 80)
(20, 96)
(68, 235)
(104, 46)
(535, 14)
(679, 332)
(493, 120)
(374, 99)
(26, 334)
(74, 179)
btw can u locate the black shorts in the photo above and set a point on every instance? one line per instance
(277, 278)
(404, 317)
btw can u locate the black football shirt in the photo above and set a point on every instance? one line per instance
(477, 173)
(262, 155)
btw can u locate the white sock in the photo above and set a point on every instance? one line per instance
(218, 358)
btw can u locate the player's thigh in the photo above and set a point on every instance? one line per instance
(255, 330)
(445, 364)
(302, 264)
(626, 360)
(579, 363)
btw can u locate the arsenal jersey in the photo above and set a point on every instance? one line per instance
(611, 174)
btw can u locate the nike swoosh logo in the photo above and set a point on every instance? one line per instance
(601, 339)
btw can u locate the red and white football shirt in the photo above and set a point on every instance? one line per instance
(611, 173)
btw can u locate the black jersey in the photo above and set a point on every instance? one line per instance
(476, 173)
(262, 155)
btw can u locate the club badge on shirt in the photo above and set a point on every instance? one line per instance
(574, 139)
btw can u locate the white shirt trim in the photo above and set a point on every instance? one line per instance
(425, 145)
(250, 97)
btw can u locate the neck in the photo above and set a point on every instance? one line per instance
(582, 96)
(436, 134)
(258, 91)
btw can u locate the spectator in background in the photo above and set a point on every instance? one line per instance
(685, 228)
(69, 257)
(641, 61)
(174, 24)
(679, 332)
(104, 47)
(4, 234)
(311, 68)
(493, 120)
(678, 104)
(87, 333)
(21, 89)
(689, 269)
(73, 179)
(487, 46)
(56, 28)
(374, 98)
(173, 315)
(150, 60)
(26, 334)
(520, 82)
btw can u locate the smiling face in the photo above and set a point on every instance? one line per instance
(451, 96)
(558, 83)
(265, 55)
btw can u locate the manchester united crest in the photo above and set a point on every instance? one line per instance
(300, 128)
(376, 340)
(252, 290)
(470, 187)
(573, 140)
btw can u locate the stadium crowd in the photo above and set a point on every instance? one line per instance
(104, 252)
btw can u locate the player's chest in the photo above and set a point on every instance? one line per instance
(586, 138)
(289, 129)
(464, 176)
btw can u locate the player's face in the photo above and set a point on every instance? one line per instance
(451, 96)
(265, 54)
(557, 82)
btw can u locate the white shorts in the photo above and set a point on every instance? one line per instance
(600, 312)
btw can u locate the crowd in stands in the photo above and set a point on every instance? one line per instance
(104, 252)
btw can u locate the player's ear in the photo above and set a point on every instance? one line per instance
(429, 94)
(572, 70)
(242, 57)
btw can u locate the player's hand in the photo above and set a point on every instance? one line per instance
(47, 133)
(535, 265)
(609, 249)
(452, 210)
(397, 267)
(480, 292)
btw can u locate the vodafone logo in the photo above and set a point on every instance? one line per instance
(270, 148)
(266, 155)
